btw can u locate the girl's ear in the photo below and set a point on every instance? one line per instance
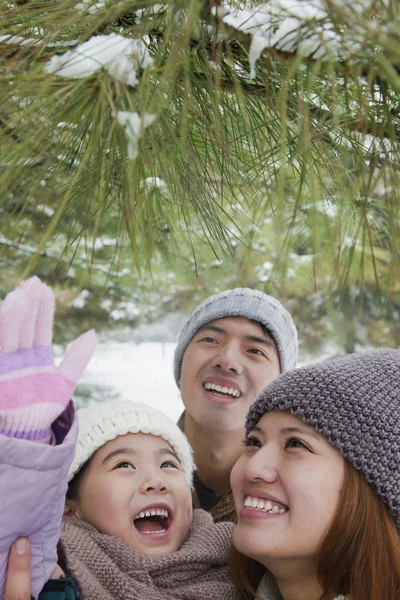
(71, 509)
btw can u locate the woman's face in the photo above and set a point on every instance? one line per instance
(287, 486)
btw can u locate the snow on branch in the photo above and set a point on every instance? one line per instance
(300, 27)
(122, 57)
(134, 126)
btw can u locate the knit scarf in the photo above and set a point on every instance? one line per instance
(268, 589)
(106, 568)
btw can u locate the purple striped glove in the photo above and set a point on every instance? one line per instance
(33, 392)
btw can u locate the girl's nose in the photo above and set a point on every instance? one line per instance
(154, 484)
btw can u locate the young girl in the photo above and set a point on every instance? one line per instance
(317, 488)
(129, 530)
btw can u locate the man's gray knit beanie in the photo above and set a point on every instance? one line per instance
(355, 402)
(251, 304)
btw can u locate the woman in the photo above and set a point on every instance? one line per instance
(317, 487)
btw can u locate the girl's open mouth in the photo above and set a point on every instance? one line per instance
(153, 521)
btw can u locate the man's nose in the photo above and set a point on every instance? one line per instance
(228, 358)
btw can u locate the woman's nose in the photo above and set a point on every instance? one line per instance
(262, 466)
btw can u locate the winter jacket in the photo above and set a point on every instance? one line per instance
(33, 483)
(268, 589)
(60, 589)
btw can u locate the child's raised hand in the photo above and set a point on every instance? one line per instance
(33, 392)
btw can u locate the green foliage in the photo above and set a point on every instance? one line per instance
(286, 180)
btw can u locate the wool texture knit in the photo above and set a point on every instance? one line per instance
(101, 423)
(33, 392)
(355, 402)
(106, 568)
(250, 304)
(268, 589)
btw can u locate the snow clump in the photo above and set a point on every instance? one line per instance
(298, 26)
(134, 126)
(122, 57)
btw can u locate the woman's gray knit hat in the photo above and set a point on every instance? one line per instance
(251, 304)
(355, 402)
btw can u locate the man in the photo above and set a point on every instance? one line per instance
(232, 346)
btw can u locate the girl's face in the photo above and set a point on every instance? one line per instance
(135, 490)
(287, 487)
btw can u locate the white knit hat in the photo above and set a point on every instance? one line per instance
(101, 423)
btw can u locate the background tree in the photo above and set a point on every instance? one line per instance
(153, 153)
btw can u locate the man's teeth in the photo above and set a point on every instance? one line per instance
(160, 512)
(266, 505)
(222, 390)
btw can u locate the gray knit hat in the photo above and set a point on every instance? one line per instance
(251, 304)
(355, 402)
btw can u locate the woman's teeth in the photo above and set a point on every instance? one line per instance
(266, 505)
(222, 390)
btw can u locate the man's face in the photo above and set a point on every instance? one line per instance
(226, 365)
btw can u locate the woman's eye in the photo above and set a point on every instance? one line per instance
(168, 464)
(124, 465)
(251, 442)
(296, 443)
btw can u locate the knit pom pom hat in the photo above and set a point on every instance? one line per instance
(355, 402)
(251, 304)
(101, 423)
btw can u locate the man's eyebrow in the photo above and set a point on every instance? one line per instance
(113, 453)
(260, 340)
(212, 328)
(249, 338)
(304, 430)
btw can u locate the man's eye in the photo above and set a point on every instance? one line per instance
(124, 465)
(256, 351)
(296, 443)
(251, 442)
(208, 338)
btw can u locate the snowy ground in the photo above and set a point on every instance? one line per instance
(140, 372)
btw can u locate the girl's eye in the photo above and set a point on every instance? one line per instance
(251, 442)
(296, 443)
(168, 464)
(124, 465)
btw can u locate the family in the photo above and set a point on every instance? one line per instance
(277, 483)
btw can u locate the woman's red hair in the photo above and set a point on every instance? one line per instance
(360, 555)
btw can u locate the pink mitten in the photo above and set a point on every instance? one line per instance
(33, 392)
